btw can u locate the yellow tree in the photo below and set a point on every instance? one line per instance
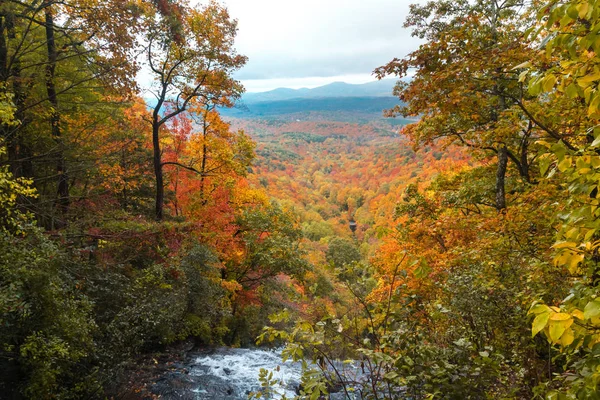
(464, 85)
(569, 35)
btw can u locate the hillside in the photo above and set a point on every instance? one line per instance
(350, 109)
(332, 171)
(300, 245)
(336, 89)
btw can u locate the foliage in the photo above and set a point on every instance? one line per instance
(460, 248)
(569, 31)
(342, 252)
(47, 325)
(100, 282)
(443, 308)
(192, 58)
(12, 219)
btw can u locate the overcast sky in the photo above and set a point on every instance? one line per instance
(309, 43)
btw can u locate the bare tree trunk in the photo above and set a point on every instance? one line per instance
(22, 163)
(123, 164)
(61, 169)
(525, 164)
(3, 48)
(158, 169)
(203, 165)
(524, 148)
(500, 177)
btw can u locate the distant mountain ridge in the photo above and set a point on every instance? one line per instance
(381, 88)
(332, 106)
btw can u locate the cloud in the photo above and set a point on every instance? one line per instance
(319, 38)
(340, 61)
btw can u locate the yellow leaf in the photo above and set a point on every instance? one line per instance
(574, 262)
(567, 337)
(539, 309)
(562, 245)
(594, 105)
(557, 328)
(548, 83)
(565, 164)
(560, 317)
(539, 323)
(583, 9)
(589, 78)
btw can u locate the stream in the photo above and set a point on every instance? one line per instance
(228, 374)
(234, 373)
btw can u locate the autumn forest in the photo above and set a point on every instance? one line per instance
(443, 239)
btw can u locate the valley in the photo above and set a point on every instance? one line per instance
(402, 211)
(330, 172)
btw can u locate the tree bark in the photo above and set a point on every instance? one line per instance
(204, 150)
(525, 163)
(500, 178)
(22, 163)
(158, 169)
(61, 169)
(3, 48)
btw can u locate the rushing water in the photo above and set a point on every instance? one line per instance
(234, 372)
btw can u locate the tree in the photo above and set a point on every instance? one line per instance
(465, 90)
(568, 30)
(191, 54)
(55, 123)
(270, 246)
(206, 154)
(55, 58)
(342, 252)
(221, 151)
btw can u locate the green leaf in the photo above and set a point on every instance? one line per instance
(592, 309)
(596, 142)
(523, 75)
(564, 164)
(582, 9)
(422, 270)
(539, 309)
(526, 64)
(572, 91)
(573, 12)
(544, 165)
(315, 394)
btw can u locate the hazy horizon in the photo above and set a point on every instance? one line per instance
(314, 43)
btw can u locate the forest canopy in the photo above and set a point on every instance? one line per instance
(465, 267)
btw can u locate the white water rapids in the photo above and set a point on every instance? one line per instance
(232, 374)
(239, 369)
